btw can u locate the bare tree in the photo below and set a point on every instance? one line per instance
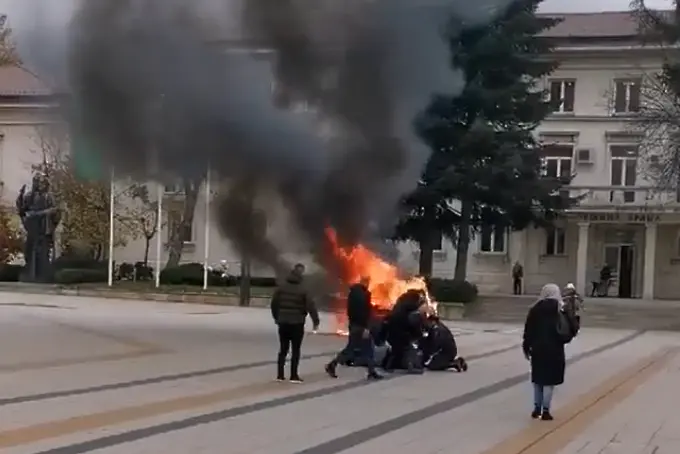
(8, 53)
(140, 213)
(658, 120)
(658, 124)
(183, 213)
(85, 205)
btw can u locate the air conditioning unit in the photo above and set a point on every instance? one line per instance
(584, 156)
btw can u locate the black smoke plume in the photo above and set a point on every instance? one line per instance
(161, 97)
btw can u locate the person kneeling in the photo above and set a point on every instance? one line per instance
(440, 349)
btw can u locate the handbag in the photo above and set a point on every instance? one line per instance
(565, 329)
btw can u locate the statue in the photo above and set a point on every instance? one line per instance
(40, 217)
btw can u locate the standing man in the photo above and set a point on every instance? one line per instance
(290, 306)
(605, 280)
(517, 278)
(359, 315)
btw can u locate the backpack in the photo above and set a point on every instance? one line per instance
(565, 327)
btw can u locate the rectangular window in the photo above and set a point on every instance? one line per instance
(623, 171)
(562, 94)
(186, 233)
(555, 241)
(627, 96)
(175, 188)
(492, 239)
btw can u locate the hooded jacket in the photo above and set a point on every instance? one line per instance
(291, 303)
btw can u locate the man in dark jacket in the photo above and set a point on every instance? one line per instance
(290, 306)
(359, 315)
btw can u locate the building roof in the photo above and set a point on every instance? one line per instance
(16, 81)
(603, 25)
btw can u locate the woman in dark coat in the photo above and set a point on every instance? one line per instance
(544, 347)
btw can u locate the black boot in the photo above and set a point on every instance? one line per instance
(331, 369)
(373, 375)
(546, 416)
(536, 413)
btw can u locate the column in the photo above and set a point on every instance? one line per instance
(650, 261)
(582, 258)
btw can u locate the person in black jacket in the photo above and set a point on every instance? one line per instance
(290, 306)
(544, 347)
(359, 315)
(404, 326)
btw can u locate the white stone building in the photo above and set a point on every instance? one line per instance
(621, 221)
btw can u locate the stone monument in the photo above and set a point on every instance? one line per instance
(40, 217)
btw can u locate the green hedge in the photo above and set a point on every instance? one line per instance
(452, 291)
(74, 263)
(192, 274)
(71, 276)
(10, 273)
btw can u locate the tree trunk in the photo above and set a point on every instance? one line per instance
(426, 257)
(147, 245)
(175, 244)
(463, 243)
(244, 291)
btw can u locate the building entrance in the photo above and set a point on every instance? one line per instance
(621, 260)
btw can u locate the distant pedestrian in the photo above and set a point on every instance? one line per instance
(360, 340)
(543, 345)
(517, 278)
(290, 306)
(605, 280)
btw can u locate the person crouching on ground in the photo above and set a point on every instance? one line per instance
(359, 316)
(290, 306)
(544, 346)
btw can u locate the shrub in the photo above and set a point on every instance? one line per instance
(10, 273)
(126, 271)
(452, 291)
(78, 263)
(192, 274)
(137, 272)
(71, 276)
(263, 281)
(11, 238)
(143, 272)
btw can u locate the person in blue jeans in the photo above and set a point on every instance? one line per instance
(543, 346)
(359, 315)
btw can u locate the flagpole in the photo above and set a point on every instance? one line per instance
(159, 233)
(112, 188)
(206, 234)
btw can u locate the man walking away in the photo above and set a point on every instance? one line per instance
(359, 315)
(290, 306)
(517, 277)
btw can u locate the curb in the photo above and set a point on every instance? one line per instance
(447, 311)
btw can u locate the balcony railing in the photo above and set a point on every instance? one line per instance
(624, 196)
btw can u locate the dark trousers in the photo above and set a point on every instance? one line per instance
(290, 338)
(517, 285)
(356, 342)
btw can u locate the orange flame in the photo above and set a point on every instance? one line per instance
(385, 284)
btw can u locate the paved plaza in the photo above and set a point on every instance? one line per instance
(82, 375)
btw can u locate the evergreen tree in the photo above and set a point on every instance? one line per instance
(485, 153)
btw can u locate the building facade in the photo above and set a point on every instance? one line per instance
(621, 219)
